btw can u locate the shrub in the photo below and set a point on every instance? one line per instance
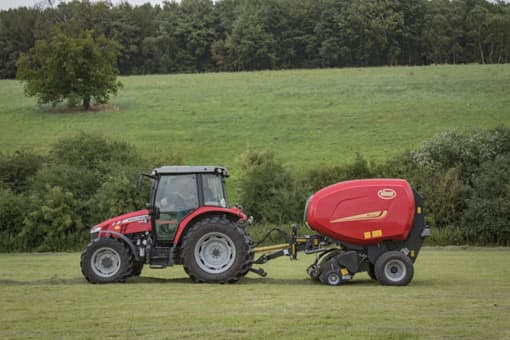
(445, 195)
(486, 218)
(116, 196)
(323, 175)
(54, 222)
(464, 150)
(16, 169)
(94, 152)
(13, 208)
(82, 182)
(268, 190)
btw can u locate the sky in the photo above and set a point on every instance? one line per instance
(6, 4)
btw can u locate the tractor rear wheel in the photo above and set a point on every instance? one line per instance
(106, 260)
(393, 268)
(216, 250)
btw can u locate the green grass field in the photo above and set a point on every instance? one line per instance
(456, 293)
(305, 116)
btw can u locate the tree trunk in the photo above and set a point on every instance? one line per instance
(86, 103)
(481, 52)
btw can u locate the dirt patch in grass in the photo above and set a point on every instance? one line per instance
(80, 109)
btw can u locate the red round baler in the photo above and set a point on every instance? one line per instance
(363, 211)
(377, 224)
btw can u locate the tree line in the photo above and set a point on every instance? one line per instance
(239, 35)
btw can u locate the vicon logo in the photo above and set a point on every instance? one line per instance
(387, 194)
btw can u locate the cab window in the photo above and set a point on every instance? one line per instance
(213, 190)
(176, 197)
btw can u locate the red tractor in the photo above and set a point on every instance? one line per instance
(375, 226)
(186, 222)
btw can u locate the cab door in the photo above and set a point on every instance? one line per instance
(176, 196)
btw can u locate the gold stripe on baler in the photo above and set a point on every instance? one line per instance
(374, 215)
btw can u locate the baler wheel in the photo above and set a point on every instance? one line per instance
(216, 250)
(394, 268)
(333, 278)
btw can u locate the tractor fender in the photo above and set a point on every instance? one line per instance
(235, 213)
(125, 239)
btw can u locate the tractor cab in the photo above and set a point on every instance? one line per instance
(178, 191)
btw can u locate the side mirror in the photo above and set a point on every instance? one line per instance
(153, 210)
(139, 182)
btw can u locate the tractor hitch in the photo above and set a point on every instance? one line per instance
(259, 271)
(309, 244)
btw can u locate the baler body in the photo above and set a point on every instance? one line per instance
(363, 212)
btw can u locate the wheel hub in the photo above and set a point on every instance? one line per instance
(215, 252)
(105, 262)
(395, 270)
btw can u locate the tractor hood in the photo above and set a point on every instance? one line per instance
(136, 221)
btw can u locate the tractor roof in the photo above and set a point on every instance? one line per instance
(185, 169)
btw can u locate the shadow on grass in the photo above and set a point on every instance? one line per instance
(50, 281)
(251, 281)
(244, 281)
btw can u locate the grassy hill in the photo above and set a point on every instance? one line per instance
(305, 116)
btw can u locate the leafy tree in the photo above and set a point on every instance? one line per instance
(130, 27)
(81, 68)
(478, 21)
(372, 30)
(443, 32)
(499, 38)
(251, 45)
(327, 29)
(16, 37)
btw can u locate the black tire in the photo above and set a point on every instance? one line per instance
(333, 278)
(216, 250)
(371, 271)
(106, 260)
(313, 272)
(137, 269)
(393, 268)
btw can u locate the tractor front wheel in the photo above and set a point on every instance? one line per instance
(394, 268)
(216, 250)
(106, 260)
(137, 269)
